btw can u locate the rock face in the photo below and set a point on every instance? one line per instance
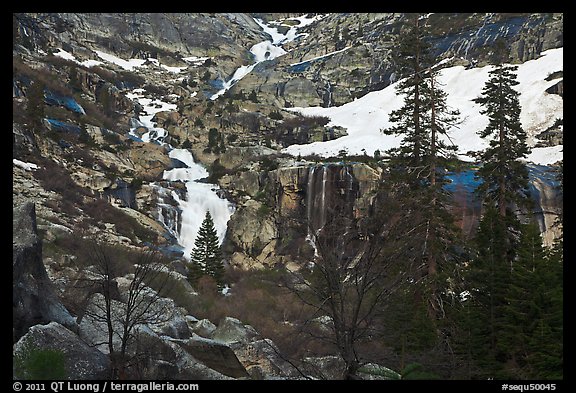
(34, 299)
(252, 228)
(80, 360)
(215, 355)
(548, 204)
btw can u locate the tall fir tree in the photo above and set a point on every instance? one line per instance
(502, 273)
(412, 57)
(505, 178)
(206, 257)
(484, 316)
(419, 163)
(532, 336)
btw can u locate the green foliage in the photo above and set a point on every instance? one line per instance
(217, 170)
(416, 371)
(512, 324)
(505, 177)
(206, 257)
(268, 164)
(264, 210)
(215, 142)
(253, 96)
(533, 333)
(40, 364)
(186, 144)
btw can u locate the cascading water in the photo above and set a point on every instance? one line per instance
(331, 189)
(267, 50)
(199, 197)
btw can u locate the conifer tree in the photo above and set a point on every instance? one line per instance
(488, 278)
(505, 178)
(532, 336)
(412, 58)
(206, 257)
(419, 163)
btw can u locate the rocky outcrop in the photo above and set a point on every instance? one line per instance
(215, 355)
(263, 360)
(168, 359)
(548, 204)
(252, 227)
(34, 300)
(259, 356)
(272, 223)
(231, 330)
(81, 361)
(149, 160)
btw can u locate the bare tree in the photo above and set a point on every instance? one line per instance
(123, 312)
(350, 280)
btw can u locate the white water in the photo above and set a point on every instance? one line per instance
(266, 50)
(200, 197)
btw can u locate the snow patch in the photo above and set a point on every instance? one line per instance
(365, 117)
(27, 166)
(125, 64)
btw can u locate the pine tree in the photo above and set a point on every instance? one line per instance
(488, 278)
(505, 178)
(532, 336)
(419, 162)
(206, 257)
(412, 59)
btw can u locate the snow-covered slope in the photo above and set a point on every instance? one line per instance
(366, 116)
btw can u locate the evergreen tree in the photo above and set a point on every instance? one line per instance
(532, 336)
(418, 164)
(206, 257)
(412, 58)
(488, 278)
(505, 178)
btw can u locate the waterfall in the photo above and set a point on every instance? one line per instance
(331, 192)
(199, 197)
(330, 187)
(266, 50)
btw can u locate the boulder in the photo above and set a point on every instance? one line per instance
(149, 160)
(34, 300)
(231, 330)
(262, 360)
(167, 359)
(81, 361)
(204, 328)
(214, 355)
(252, 227)
(373, 371)
(330, 367)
